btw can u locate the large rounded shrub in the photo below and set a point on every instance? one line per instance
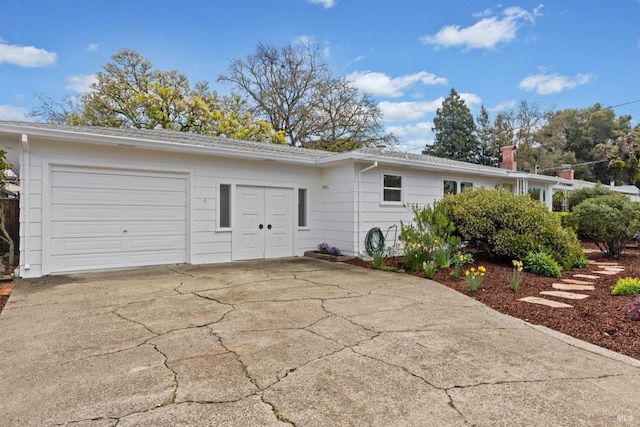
(609, 221)
(511, 226)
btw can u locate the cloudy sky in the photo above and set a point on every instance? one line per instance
(407, 53)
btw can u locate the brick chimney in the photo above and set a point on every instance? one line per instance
(566, 172)
(509, 158)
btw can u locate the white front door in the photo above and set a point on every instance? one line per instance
(263, 223)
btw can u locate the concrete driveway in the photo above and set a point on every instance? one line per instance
(291, 342)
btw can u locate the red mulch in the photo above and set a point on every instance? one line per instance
(3, 301)
(596, 319)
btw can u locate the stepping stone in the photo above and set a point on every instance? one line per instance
(603, 263)
(562, 294)
(607, 272)
(542, 301)
(610, 267)
(566, 287)
(577, 282)
(586, 276)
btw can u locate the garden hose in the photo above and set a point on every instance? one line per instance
(374, 241)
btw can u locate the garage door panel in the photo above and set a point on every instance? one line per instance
(102, 196)
(101, 213)
(103, 218)
(108, 229)
(88, 178)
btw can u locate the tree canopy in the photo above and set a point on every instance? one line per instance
(130, 93)
(455, 132)
(294, 90)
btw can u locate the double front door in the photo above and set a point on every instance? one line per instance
(263, 223)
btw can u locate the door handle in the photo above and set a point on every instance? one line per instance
(261, 226)
(269, 226)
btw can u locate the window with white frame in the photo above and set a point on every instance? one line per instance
(302, 207)
(224, 206)
(392, 188)
(465, 184)
(450, 187)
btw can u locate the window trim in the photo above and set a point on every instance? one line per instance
(219, 207)
(399, 189)
(305, 213)
(455, 190)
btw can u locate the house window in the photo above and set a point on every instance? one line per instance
(224, 207)
(392, 188)
(465, 185)
(302, 207)
(450, 187)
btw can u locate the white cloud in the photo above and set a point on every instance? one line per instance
(12, 112)
(545, 84)
(383, 85)
(503, 106)
(408, 111)
(91, 47)
(325, 3)
(26, 56)
(471, 99)
(418, 128)
(80, 83)
(487, 33)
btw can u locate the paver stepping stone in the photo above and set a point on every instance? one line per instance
(566, 287)
(607, 272)
(562, 294)
(586, 276)
(611, 267)
(542, 301)
(577, 282)
(603, 263)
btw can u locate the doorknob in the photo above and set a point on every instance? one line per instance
(261, 226)
(269, 226)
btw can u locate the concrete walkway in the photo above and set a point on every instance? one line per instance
(291, 342)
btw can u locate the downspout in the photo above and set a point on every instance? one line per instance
(374, 165)
(25, 216)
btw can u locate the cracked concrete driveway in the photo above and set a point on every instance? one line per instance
(291, 342)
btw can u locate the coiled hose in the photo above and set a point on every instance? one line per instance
(374, 241)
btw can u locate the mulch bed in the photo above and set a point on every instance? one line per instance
(596, 319)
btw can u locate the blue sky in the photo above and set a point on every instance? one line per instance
(406, 53)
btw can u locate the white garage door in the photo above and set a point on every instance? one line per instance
(109, 218)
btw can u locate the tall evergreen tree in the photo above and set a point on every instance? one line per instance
(455, 132)
(489, 144)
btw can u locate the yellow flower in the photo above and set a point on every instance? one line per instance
(481, 269)
(466, 273)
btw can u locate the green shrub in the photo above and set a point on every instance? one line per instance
(609, 221)
(378, 260)
(581, 262)
(510, 226)
(574, 198)
(626, 286)
(430, 269)
(542, 264)
(430, 232)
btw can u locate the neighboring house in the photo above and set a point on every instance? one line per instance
(102, 198)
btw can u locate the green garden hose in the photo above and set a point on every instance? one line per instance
(374, 241)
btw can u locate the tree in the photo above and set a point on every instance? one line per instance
(4, 233)
(624, 154)
(489, 143)
(130, 93)
(294, 90)
(455, 132)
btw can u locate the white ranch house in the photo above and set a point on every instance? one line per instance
(101, 198)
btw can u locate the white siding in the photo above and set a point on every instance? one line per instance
(337, 209)
(205, 243)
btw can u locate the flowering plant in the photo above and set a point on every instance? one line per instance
(633, 309)
(459, 260)
(516, 278)
(474, 277)
(325, 248)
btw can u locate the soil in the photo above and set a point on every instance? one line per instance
(597, 319)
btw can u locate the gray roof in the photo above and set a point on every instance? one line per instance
(173, 137)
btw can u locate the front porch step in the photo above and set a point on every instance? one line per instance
(547, 302)
(562, 294)
(566, 287)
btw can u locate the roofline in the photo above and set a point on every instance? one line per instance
(118, 140)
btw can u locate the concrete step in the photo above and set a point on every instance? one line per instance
(547, 302)
(566, 287)
(562, 294)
